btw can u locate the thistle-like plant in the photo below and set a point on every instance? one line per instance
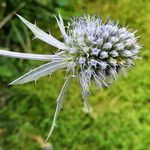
(92, 50)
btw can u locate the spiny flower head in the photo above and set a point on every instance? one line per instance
(99, 50)
(92, 50)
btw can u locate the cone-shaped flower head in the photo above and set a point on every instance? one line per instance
(92, 50)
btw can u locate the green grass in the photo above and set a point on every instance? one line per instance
(121, 115)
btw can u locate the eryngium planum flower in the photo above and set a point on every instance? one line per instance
(92, 50)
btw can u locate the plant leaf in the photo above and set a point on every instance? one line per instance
(6, 19)
(41, 57)
(61, 26)
(59, 101)
(42, 35)
(40, 72)
(84, 78)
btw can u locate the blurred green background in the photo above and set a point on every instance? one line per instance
(121, 115)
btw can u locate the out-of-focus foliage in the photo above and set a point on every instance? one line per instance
(121, 115)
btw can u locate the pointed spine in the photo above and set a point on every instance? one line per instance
(59, 102)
